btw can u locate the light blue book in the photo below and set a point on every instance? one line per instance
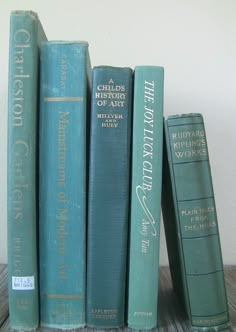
(145, 197)
(26, 33)
(65, 80)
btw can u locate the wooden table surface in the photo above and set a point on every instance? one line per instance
(171, 317)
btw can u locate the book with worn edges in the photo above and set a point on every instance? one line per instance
(26, 34)
(191, 225)
(65, 85)
(108, 204)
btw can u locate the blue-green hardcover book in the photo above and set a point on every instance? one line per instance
(65, 80)
(26, 33)
(145, 197)
(191, 224)
(108, 205)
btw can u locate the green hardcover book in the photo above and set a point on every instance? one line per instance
(65, 88)
(25, 35)
(145, 197)
(191, 225)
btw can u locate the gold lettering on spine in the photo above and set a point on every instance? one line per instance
(64, 296)
(189, 144)
(199, 218)
(17, 255)
(20, 147)
(210, 321)
(61, 195)
(21, 44)
(62, 199)
(104, 314)
(20, 155)
(61, 99)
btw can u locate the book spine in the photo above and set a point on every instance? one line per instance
(108, 203)
(145, 197)
(65, 70)
(22, 141)
(196, 231)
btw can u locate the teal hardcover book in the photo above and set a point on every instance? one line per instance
(145, 197)
(191, 224)
(26, 33)
(108, 204)
(65, 81)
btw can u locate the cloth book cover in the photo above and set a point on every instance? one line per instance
(65, 81)
(26, 34)
(145, 197)
(191, 225)
(108, 204)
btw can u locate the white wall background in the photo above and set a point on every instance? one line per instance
(196, 43)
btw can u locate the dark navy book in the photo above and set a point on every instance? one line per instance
(108, 203)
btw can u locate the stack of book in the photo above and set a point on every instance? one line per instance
(87, 170)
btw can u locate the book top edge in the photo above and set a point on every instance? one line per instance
(182, 116)
(31, 13)
(148, 67)
(111, 67)
(65, 42)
